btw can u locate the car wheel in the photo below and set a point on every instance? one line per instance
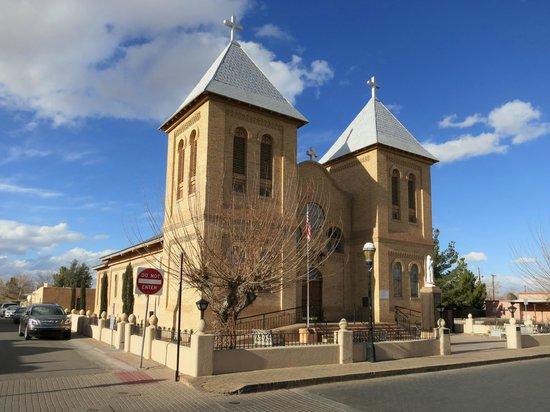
(67, 335)
(20, 332)
(27, 336)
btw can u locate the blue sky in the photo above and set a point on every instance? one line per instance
(83, 93)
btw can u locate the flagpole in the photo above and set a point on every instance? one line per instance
(308, 235)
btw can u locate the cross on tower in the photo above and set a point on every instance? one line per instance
(373, 85)
(312, 154)
(233, 25)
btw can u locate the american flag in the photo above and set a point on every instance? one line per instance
(308, 226)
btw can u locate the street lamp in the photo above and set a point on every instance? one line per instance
(512, 309)
(368, 251)
(202, 305)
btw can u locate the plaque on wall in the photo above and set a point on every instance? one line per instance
(384, 294)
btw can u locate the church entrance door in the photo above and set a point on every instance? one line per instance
(315, 296)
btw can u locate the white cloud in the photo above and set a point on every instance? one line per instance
(126, 59)
(475, 257)
(101, 236)
(518, 119)
(395, 108)
(291, 78)
(16, 153)
(449, 121)
(22, 190)
(525, 259)
(514, 121)
(80, 254)
(466, 146)
(271, 30)
(47, 264)
(21, 238)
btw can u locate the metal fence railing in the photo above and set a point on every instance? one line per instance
(94, 320)
(268, 338)
(389, 334)
(136, 330)
(171, 335)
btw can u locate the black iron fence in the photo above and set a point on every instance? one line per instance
(136, 330)
(171, 335)
(268, 338)
(94, 320)
(388, 334)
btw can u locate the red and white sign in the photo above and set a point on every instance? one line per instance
(149, 281)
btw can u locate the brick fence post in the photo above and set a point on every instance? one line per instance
(128, 332)
(101, 324)
(444, 338)
(345, 343)
(149, 336)
(121, 331)
(469, 324)
(202, 352)
(513, 335)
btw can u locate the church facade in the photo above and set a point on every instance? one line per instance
(235, 132)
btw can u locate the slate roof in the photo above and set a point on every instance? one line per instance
(233, 74)
(375, 124)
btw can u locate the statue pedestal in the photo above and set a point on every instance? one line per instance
(430, 297)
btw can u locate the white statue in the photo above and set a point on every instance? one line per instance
(429, 280)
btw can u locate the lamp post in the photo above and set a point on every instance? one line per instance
(368, 251)
(512, 309)
(202, 305)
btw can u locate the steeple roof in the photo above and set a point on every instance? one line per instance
(234, 75)
(375, 124)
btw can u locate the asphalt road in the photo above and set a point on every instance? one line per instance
(82, 375)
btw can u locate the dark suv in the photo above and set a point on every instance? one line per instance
(45, 320)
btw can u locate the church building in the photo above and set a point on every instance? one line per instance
(376, 173)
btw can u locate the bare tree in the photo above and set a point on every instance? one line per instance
(249, 244)
(534, 262)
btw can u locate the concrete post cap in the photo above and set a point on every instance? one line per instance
(513, 321)
(343, 324)
(441, 323)
(132, 319)
(124, 317)
(73, 311)
(88, 313)
(82, 312)
(103, 315)
(202, 327)
(66, 311)
(153, 320)
(470, 316)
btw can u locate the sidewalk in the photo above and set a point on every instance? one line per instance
(244, 382)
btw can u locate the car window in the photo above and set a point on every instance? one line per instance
(46, 310)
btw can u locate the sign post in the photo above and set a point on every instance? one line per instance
(149, 281)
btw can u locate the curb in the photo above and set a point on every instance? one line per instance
(261, 387)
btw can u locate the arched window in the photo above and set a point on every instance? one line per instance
(266, 165)
(414, 281)
(181, 153)
(316, 216)
(239, 160)
(412, 198)
(116, 284)
(335, 242)
(193, 162)
(397, 278)
(396, 215)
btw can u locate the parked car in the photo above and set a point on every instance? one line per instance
(10, 311)
(45, 320)
(18, 313)
(5, 306)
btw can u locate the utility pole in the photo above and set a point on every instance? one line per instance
(493, 276)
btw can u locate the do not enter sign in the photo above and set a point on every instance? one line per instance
(149, 281)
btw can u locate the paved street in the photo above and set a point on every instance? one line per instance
(85, 375)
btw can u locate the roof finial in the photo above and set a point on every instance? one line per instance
(232, 23)
(373, 85)
(312, 154)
